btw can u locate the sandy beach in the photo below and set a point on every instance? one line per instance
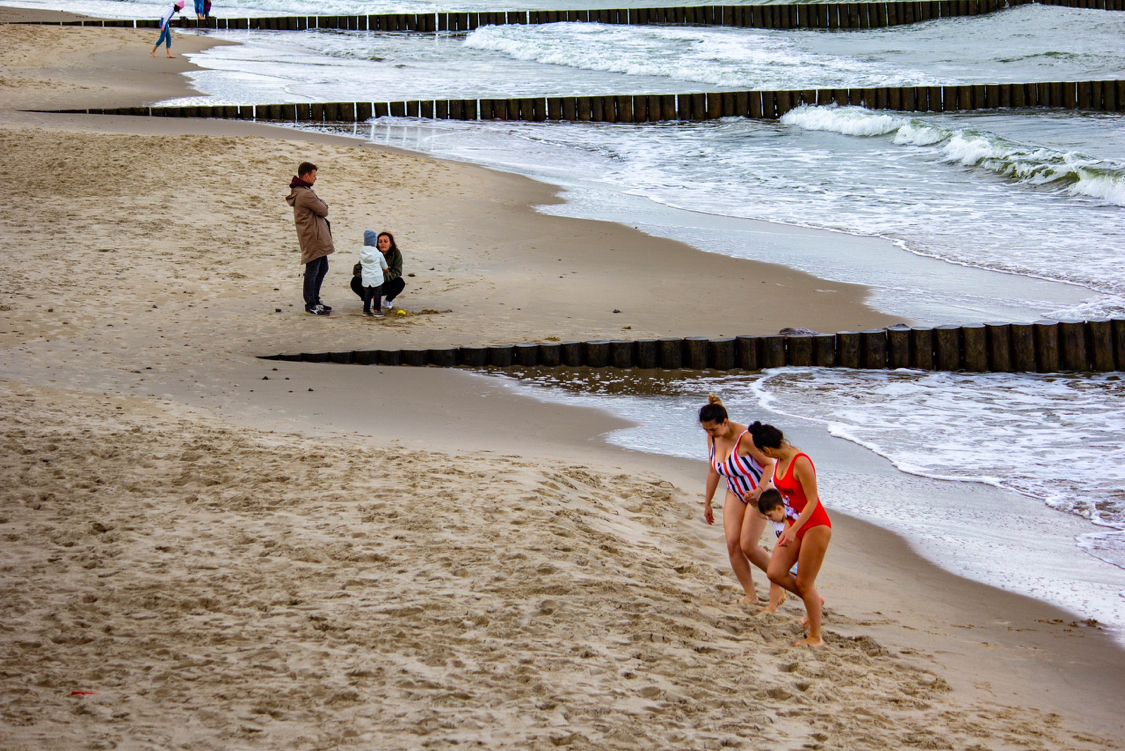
(228, 552)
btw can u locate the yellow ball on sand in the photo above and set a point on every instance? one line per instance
(402, 312)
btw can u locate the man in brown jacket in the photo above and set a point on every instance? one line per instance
(313, 232)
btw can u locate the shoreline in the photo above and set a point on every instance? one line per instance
(186, 254)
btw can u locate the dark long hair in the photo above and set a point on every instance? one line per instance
(713, 410)
(392, 237)
(766, 436)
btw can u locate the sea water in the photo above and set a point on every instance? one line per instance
(949, 218)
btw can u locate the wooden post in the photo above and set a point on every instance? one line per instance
(527, 355)
(799, 351)
(1072, 341)
(898, 347)
(554, 108)
(847, 349)
(621, 354)
(1023, 347)
(443, 358)
(721, 353)
(748, 351)
(714, 106)
(769, 105)
(974, 347)
(1047, 346)
(550, 354)
(695, 352)
(670, 353)
(1119, 342)
(698, 106)
(646, 355)
(572, 354)
(999, 347)
(873, 349)
(947, 345)
(415, 358)
(784, 102)
(392, 357)
(1101, 344)
(668, 107)
(824, 350)
(729, 103)
(773, 351)
(569, 109)
(596, 353)
(501, 355)
(584, 108)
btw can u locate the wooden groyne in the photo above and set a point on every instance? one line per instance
(1095, 345)
(868, 15)
(1101, 96)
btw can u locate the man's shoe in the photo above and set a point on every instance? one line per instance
(316, 310)
(326, 307)
(367, 312)
(378, 314)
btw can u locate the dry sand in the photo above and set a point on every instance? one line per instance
(232, 562)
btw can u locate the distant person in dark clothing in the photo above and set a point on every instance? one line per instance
(310, 214)
(393, 283)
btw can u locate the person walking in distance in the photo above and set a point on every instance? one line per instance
(314, 233)
(166, 28)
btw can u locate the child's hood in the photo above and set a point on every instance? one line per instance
(370, 237)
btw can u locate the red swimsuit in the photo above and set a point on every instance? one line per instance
(790, 487)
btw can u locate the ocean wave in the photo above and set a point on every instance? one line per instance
(714, 56)
(1023, 428)
(1071, 172)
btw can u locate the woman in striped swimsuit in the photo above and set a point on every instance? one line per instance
(734, 456)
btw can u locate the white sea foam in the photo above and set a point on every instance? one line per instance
(1071, 171)
(1056, 438)
(716, 56)
(851, 121)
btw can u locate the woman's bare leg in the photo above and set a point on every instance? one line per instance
(777, 598)
(781, 562)
(809, 560)
(733, 511)
(753, 524)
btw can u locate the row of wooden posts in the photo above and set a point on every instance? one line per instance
(1096, 345)
(866, 15)
(1106, 96)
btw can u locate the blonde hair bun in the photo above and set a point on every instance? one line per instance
(714, 399)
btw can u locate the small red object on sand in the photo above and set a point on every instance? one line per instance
(83, 693)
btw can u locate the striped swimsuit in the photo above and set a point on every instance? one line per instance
(742, 472)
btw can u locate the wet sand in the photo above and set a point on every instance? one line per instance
(397, 558)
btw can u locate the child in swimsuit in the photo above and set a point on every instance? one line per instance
(781, 516)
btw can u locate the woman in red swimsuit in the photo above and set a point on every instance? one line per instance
(733, 456)
(807, 538)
